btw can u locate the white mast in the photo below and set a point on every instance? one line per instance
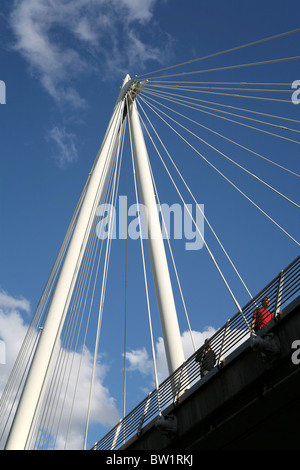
(35, 383)
(163, 287)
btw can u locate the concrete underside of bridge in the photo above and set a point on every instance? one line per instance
(251, 403)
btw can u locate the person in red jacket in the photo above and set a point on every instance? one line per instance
(261, 316)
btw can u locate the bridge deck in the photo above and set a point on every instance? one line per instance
(251, 403)
(246, 392)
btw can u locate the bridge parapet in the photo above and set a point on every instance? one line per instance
(227, 343)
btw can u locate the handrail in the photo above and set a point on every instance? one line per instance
(282, 289)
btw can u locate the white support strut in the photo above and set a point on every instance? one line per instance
(36, 379)
(163, 287)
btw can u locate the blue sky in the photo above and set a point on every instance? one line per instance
(63, 63)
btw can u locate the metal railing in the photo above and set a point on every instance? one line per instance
(281, 291)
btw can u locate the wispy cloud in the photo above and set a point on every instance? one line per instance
(32, 22)
(65, 41)
(9, 302)
(139, 359)
(66, 146)
(68, 38)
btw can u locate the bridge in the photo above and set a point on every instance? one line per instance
(249, 400)
(252, 386)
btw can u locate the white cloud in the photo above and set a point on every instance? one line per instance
(72, 401)
(140, 360)
(9, 302)
(32, 21)
(66, 146)
(138, 50)
(141, 11)
(12, 333)
(13, 329)
(63, 39)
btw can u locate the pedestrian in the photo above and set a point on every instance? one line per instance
(261, 316)
(206, 358)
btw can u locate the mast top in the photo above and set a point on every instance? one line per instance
(132, 87)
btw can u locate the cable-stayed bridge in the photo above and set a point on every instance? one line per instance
(229, 138)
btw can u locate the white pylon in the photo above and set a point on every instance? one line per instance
(36, 379)
(160, 270)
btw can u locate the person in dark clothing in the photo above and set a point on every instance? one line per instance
(206, 358)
